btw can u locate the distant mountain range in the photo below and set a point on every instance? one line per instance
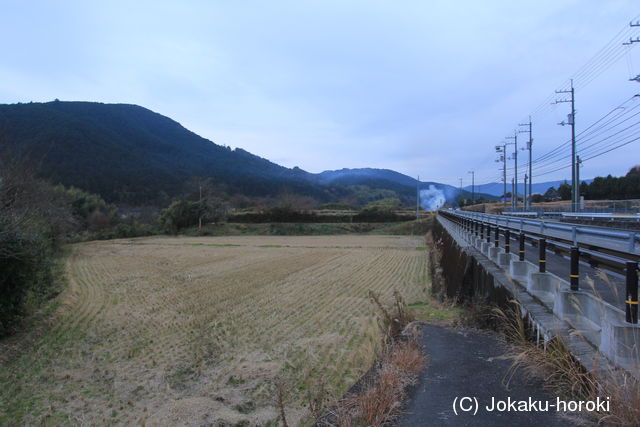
(129, 154)
(497, 188)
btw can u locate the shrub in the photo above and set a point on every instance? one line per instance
(27, 258)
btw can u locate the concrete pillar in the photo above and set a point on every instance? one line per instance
(484, 248)
(519, 269)
(504, 259)
(493, 253)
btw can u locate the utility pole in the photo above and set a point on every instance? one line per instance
(200, 205)
(527, 200)
(631, 42)
(473, 187)
(571, 121)
(525, 191)
(502, 150)
(418, 198)
(515, 159)
(578, 165)
(513, 202)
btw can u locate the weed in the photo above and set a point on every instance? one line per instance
(553, 362)
(382, 395)
(281, 402)
(400, 360)
(317, 396)
(246, 407)
(394, 319)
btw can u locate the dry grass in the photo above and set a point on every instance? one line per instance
(196, 330)
(381, 396)
(402, 358)
(565, 376)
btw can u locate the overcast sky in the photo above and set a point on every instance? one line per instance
(422, 87)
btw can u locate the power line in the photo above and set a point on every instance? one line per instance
(608, 55)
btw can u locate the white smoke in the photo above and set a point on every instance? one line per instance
(432, 199)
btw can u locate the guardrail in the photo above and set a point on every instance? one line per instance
(621, 241)
(600, 248)
(631, 206)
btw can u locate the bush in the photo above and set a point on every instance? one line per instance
(27, 256)
(180, 214)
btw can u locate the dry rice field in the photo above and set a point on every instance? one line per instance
(195, 331)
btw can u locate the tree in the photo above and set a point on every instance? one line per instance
(90, 210)
(213, 209)
(182, 214)
(584, 189)
(564, 191)
(537, 198)
(551, 195)
(34, 219)
(179, 215)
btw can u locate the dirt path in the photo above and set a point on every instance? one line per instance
(467, 363)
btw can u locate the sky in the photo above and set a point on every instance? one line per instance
(425, 88)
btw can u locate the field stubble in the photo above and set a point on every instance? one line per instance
(197, 330)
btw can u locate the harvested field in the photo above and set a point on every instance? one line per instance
(196, 330)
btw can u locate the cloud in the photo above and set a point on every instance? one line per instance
(425, 88)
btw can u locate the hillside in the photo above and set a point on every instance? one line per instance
(129, 154)
(392, 180)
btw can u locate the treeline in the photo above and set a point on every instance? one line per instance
(601, 188)
(613, 188)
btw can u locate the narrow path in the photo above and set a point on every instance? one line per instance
(468, 363)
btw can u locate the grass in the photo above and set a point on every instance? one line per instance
(162, 330)
(433, 311)
(379, 398)
(565, 376)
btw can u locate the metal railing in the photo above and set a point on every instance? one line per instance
(621, 241)
(598, 247)
(631, 206)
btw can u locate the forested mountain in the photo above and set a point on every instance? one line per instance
(392, 180)
(357, 176)
(129, 154)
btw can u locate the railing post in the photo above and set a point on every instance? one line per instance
(632, 242)
(574, 276)
(542, 255)
(482, 231)
(521, 248)
(631, 302)
(488, 233)
(497, 237)
(507, 240)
